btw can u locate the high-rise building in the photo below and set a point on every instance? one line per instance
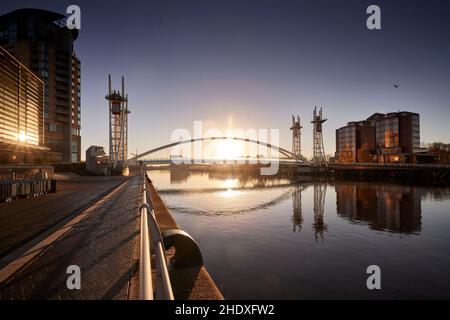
(41, 41)
(21, 113)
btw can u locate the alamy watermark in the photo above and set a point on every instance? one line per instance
(73, 20)
(373, 22)
(256, 146)
(73, 282)
(374, 280)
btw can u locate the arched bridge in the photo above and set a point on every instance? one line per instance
(282, 151)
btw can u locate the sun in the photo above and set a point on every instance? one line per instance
(229, 149)
(22, 137)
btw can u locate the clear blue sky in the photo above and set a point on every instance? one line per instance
(258, 62)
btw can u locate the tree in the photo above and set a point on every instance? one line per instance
(441, 151)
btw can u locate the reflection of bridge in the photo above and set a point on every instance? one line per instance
(318, 207)
(289, 155)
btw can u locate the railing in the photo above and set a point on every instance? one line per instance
(163, 285)
(21, 172)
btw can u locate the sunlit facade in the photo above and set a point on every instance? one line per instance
(346, 142)
(21, 110)
(40, 40)
(398, 136)
(392, 137)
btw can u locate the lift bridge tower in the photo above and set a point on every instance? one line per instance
(296, 137)
(318, 148)
(118, 125)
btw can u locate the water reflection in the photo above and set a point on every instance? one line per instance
(179, 176)
(205, 179)
(274, 237)
(383, 207)
(389, 207)
(297, 217)
(319, 225)
(231, 211)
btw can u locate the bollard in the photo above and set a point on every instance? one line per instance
(187, 252)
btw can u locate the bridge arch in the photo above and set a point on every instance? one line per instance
(283, 151)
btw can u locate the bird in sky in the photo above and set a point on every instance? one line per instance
(395, 86)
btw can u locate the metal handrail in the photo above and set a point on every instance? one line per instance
(163, 287)
(145, 267)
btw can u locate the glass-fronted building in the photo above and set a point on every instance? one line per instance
(41, 41)
(21, 111)
(348, 142)
(392, 137)
(398, 136)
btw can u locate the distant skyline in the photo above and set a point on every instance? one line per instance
(253, 64)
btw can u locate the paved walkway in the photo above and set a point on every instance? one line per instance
(101, 244)
(24, 219)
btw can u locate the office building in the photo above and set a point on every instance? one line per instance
(21, 113)
(384, 138)
(41, 41)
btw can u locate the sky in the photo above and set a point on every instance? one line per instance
(254, 63)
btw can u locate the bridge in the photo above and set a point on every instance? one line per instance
(301, 165)
(289, 155)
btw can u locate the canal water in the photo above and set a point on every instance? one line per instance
(274, 239)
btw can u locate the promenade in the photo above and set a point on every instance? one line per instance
(92, 223)
(97, 234)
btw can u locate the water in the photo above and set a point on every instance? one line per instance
(271, 238)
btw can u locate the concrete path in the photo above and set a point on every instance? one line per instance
(24, 219)
(101, 242)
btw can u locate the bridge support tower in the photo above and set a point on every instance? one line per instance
(319, 158)
(118, 125)
(296, 137)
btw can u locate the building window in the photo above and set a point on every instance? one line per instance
(74, 151)
(52, 127)
(12, 33)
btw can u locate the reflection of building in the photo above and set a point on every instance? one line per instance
(384, 207)
(392, 137)
(40, 40)
(21, 113)
(179, 176)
